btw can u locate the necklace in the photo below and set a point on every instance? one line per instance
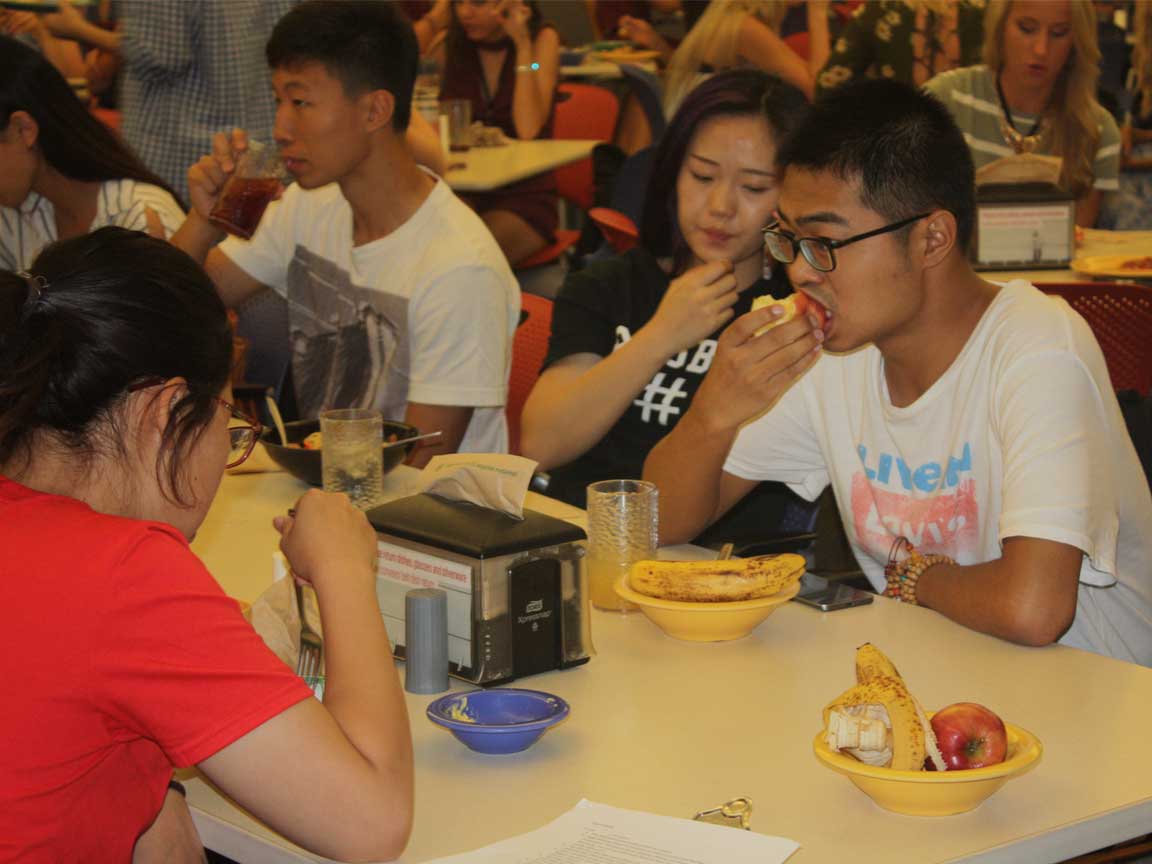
(1021, 142)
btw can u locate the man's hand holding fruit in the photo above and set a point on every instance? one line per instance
(758, 358)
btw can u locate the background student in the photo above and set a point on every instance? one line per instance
(503, 58)
(1036, 93)
(65, 173)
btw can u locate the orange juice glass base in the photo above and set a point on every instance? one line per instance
(602, 575)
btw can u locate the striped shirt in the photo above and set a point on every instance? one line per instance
(970, 95)
(27, 229)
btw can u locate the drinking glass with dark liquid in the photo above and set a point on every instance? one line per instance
(459, 114)
(248, 192)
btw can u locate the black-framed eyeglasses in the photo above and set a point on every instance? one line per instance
(819, 251)
(243, 430)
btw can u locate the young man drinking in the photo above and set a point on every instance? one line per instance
(399, 299)
(968, 429)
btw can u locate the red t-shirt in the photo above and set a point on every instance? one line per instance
(121, 659)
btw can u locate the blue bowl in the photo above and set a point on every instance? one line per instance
(503, 720)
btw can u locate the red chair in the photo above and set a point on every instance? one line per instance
(619, 231)
(583, 112)
(529, 347)
(1120, 316)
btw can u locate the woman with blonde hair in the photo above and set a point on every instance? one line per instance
(734, 33)
(1035, 93)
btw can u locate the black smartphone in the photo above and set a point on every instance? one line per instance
(819, 593)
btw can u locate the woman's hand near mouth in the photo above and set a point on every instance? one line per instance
(695, 306)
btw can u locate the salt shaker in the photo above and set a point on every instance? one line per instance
(426, 640)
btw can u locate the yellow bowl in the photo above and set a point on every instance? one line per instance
(706, 622)
(934, 793)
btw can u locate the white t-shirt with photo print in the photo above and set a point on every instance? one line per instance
(425, 314)
(1021, 437)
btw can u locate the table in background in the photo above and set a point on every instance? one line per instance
(602, 69)
(673, 727)
(1096, 242)
(486, 168)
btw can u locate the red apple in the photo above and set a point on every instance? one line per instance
(970, 736)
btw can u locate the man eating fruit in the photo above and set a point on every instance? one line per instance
(969, 429)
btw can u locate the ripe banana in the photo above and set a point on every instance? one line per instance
(879, 721)
(716, 581)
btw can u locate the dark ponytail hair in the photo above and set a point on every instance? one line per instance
(98, 314)
(73, 141)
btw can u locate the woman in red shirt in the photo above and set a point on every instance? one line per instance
(123, 657)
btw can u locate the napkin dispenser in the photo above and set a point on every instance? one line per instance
(1023, 226)
(517, 589)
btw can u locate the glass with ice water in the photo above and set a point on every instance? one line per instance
(351, 456)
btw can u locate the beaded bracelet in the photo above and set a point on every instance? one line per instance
(903, 578)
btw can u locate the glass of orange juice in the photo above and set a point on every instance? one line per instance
(622, 528)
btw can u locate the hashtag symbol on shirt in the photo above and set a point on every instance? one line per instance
(658, 398)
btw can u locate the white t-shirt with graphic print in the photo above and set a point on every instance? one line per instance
(1021, 437)
(425, 314)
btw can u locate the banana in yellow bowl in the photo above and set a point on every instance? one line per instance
(711, 601)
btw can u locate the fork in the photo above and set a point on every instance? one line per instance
(310, 662)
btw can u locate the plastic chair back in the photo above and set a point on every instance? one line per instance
(529, 348)
(648, 90)
(1120, 316)
(584, 112)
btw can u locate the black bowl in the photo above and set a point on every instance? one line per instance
(305, 464)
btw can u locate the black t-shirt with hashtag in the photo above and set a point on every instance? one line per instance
(598, 310)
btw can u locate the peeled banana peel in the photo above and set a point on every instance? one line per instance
(717, 581)
(879, 721)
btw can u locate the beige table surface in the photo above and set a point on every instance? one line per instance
(486, 168)
(1095, 242)
(673, 727)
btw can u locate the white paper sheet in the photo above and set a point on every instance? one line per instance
(592, 833)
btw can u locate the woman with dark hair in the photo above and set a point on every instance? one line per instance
(115, 429)
(501, 57)
(633, 336)
(65, 173)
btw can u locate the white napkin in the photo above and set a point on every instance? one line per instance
(276, 616)
(491, 480)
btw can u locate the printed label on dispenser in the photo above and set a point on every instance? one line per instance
(398, 570)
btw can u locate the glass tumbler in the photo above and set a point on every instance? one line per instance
(249, 191)
(351, 455)
(459, 114)
(622, 528)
